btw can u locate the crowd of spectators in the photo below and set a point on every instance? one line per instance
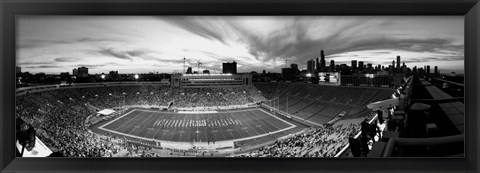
(325, 141)
(59, 115)
(149, 95)
(59, 122)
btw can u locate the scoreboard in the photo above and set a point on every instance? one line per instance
(329, 78)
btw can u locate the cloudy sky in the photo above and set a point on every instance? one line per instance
(139, 44)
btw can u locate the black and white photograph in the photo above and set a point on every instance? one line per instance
(240, 86)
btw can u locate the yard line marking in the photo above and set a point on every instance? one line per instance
(222, 114)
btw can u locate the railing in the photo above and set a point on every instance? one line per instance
(421, 142)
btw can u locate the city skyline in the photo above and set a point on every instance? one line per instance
(142, 44)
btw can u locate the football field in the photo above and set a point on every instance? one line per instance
(196, 127)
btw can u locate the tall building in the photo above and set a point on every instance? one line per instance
(189, 70)
(18, 69)
(83, 72)
(75, 72)
(322, 61)
(294, 68)
(369, 66)
(398, 62)
(287, 73)
(113, 75)
(436, 70)
(360, 65)
(428, 69)
(317, 66)
(354, 64)
(311, 66)
(332, 65)
(393, 65)
(230, 67)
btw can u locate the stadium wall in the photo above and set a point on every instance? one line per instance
(35, 89)
(210, 80)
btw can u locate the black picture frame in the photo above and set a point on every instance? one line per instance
(9, 9)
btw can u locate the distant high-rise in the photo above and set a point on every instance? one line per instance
(208, 71)
(436, 70)
(369, 66)
(230, 67)
(83, 72)
(354, 64)
(317, 66)
(18, 69)
(360, 65)
(189, 70)
(75, 72)
(393, 66)
(322, 61)
(310, 66)
(398, 62)
(428, 69)
(332, 65)
(113, 75)
(294, 68)
(287, 73)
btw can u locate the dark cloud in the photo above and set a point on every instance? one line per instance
(67, 59)
(36, 63)
(136, 53)
(116, 54)
(198, 26)
(91, 66)
(293, 42)
(46, 66)
(34, 43)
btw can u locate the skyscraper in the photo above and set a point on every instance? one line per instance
(398, 62)
(369, 66)
(83, 72)
(360, 65)
(436, 70)
(310, 66)
(75, 72)
(332, 65)
(428, 69)
(230, 67)
(354, 64)
(294, 68)
(393, 66)
(322, 61)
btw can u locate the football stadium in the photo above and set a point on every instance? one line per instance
(374, 107)
(104, 119)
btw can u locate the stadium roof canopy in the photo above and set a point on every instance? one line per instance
(106, 112)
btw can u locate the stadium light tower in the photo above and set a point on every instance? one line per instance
(198, 66)
(136, 76)
(184, 59)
